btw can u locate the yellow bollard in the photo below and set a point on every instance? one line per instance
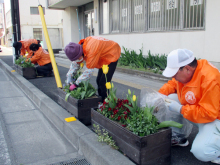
(53, 62)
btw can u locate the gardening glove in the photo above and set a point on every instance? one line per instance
(173, 105)
(73, 86)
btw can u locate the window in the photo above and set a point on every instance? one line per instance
(34, 10)
(126, 16)
(37, 33)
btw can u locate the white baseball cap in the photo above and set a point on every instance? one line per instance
(176, 59)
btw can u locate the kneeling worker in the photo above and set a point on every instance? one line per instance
(41, 57)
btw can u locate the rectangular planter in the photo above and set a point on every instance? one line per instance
(148, 150)
(28, 73)
(81, 109)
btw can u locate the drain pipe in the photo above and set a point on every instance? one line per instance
(78, 24)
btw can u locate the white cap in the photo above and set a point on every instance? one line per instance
(176, 59)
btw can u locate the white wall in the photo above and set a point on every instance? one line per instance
(70, 26)
(53, 19)
(204, 44)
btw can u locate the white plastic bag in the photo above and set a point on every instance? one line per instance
(151, 98)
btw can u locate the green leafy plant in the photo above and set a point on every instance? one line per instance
(83, 91)
(24, 62)
(104, 137)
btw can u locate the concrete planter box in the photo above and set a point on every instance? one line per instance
(148, 150)
(28, 73)
(81, 109)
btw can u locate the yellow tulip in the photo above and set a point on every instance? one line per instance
(134, 97)
(81, 65)
(108, 85)
(129, 91)
(105, 69)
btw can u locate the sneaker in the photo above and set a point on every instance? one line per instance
(216, 161)
(179, 141)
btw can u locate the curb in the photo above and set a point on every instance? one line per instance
(81, 137)
(153, 76)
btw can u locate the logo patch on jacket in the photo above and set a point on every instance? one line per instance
(190, 97)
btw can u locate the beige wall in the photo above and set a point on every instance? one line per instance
(204, 44)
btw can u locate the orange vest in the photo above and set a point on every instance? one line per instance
(99, 51)
(25, 47)
(201, 96)
(41, 56)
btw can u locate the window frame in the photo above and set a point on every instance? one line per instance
(31, 7)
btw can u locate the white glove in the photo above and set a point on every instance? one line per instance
(173, 105)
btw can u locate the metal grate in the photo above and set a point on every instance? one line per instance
(75, 161)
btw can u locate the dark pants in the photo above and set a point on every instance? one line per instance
(101, 81)
(45, 70)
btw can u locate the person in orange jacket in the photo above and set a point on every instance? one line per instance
(194, 93)
(96, 52)
(24, 46)
(42, 58)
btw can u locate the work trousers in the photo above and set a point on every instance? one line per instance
(101, 80)
(206, 145)
(45, 70)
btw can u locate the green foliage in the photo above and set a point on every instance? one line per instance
(104, 137)
(154, 62)
(143, 122)
(83, 91)
(21, 61)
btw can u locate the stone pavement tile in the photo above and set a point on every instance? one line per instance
(4, 155)
(15, 104)
(3, 76)
(8, 89)
(38, 137)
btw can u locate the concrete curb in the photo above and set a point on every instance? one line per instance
(75, 132)
(132, 72)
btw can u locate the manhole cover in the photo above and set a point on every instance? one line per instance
(75, 161)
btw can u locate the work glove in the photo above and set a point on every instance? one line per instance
(73, 86)
(173, 105)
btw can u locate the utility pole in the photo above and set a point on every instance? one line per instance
(15, 17)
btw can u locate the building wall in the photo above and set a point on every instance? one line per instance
(70, 25)
(53, 19)
(204, 43)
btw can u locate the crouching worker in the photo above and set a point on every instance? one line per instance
(194, 93)
(96, 51)
(41, 57)
(24, 46)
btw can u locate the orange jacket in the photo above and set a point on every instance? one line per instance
(201, 96)
(25, 47)
(99, 51)
(41, 56)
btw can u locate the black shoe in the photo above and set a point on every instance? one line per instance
(179, 141)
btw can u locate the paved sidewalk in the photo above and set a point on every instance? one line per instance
(33, 129)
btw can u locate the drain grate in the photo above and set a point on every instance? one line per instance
(75, 161)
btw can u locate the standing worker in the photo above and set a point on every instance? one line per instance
(96, 51)
(42, 58)
(194, 93)
(24, 46)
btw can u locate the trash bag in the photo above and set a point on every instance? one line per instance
(153, 98)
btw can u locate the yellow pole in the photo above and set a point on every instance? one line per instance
(54, 65)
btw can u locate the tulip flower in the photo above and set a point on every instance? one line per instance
(112, 85)
(134, 97)
(108, 85)
(129, 91)
(81, 65)
(105, 69)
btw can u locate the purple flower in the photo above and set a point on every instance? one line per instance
(22, 62)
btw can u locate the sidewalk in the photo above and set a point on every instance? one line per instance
(35, 131)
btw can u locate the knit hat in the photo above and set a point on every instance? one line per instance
(73, 51)
(176, 59)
